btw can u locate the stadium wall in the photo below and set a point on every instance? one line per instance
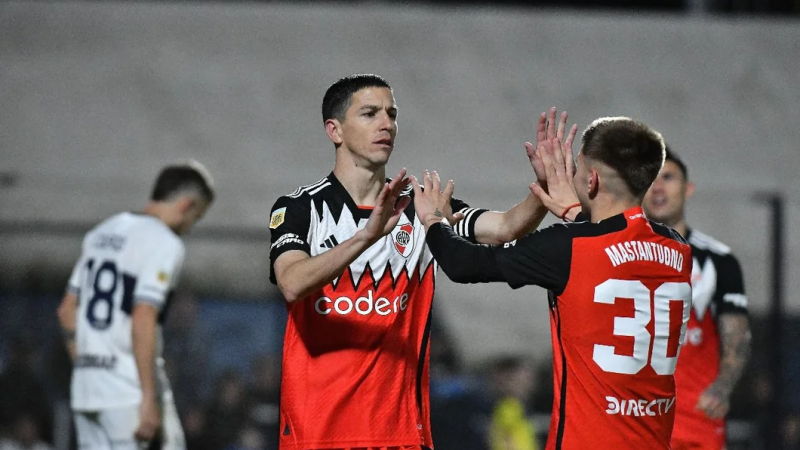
(97, 96)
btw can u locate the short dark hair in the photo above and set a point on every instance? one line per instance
(179, 178)
(337, 97)
(672, 156)
(634, 150)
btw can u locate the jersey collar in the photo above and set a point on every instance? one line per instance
(358, 211)
(635, 213)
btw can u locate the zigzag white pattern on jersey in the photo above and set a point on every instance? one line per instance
(312, 188)
(380, 256)
(703, 285)
(706, 242)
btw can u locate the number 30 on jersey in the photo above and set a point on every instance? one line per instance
(609, 291)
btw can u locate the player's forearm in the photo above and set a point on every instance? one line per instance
(143, 326)
(735, 343)
(522, 219)
(461, 260)
(308, 275)
(66, 318)
(525, 217)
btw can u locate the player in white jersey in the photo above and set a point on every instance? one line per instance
(111, 314)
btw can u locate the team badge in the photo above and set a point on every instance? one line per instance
(162, 277)
(277, 218)
(403, 239)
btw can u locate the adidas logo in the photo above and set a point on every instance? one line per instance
(330, 242)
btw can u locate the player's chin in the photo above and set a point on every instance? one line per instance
(381, 153)
(384, 148)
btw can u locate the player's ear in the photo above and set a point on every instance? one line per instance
(186, 203)
(334, 129)
(594, 183)
(689, 190)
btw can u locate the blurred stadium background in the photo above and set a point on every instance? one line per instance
(97, 96)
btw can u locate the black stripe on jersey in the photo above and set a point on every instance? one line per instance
(128, 288)
(309, 187)
(423, 350)
(667, 232)
(562, 407)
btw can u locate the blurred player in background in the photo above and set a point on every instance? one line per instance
(111, 314)
(349, 255)
(619, 286)
(513, 381)
(717, 344)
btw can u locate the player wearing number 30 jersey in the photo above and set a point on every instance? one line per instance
(116, 299)
(619, 290)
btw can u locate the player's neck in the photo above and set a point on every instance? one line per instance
(605, 206)
(157, 210)
(680, 226)
(363, 184)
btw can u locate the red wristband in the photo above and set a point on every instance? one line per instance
(564, 214)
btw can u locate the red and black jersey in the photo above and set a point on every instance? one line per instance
(718, 288)
(620, 297)
(355, 356)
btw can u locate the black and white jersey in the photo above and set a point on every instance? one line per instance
(717, 288)
(717, 282)
(316, 217)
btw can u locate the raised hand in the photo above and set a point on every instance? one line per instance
(560, 195)
(388, 208)
(431, 203)
(546, 131)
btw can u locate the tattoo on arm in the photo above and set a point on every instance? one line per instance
(734, 333)
(438, 213)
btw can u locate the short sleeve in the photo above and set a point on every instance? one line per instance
(159, 272)
(730, 286)
(466, 227)
(542, 258)
(289, 223)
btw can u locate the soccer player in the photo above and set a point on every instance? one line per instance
(718, 337)
(619, 286)
(116, 300)
(349, 255)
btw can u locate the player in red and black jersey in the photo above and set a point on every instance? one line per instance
(718, 338)
(349, 255)
(619, 287)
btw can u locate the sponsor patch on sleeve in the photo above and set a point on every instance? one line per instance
(287, 239)
(277, 217)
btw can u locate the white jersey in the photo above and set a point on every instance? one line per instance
(127, 259)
